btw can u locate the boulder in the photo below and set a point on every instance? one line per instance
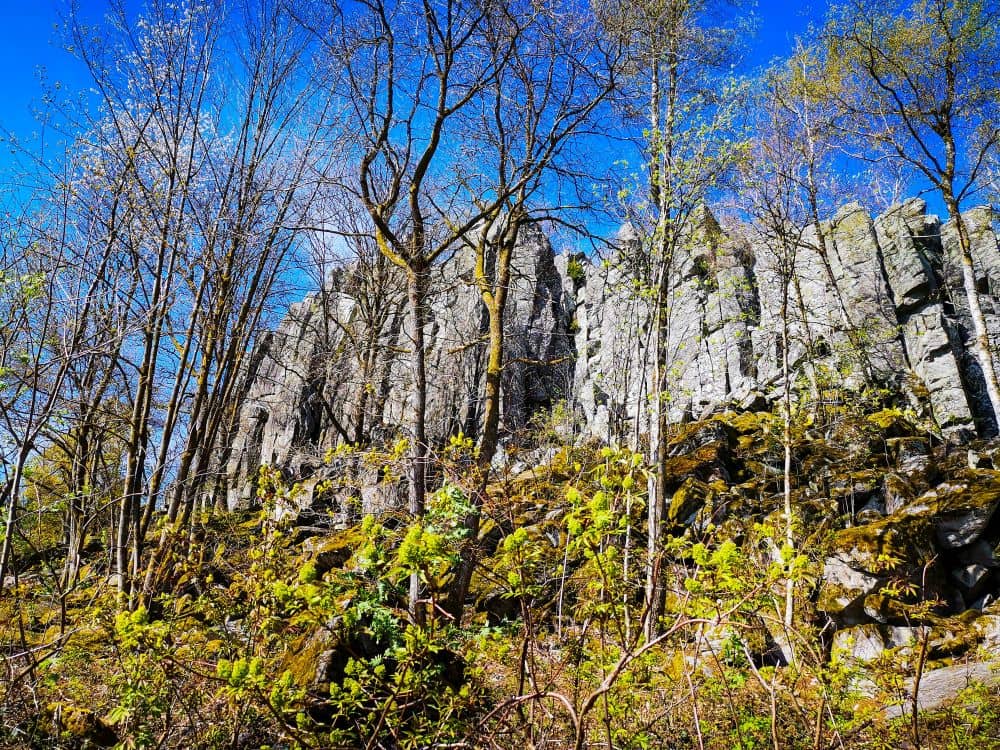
(868, 557)
(687, 502)
(939, 686)
(865, 643)
(959, 511)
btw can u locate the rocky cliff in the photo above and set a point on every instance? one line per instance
(338, 368)
(895, 490)
(883, 307)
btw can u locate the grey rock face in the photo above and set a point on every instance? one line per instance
(282, 420)
(846, 587)
(938, 686)
(986, 266)
(873, 302)
(338, 368)
(867, 642)
(911, 246)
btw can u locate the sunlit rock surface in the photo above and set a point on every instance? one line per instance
(877, 303)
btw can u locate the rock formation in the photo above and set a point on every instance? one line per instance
(879, 316)
(328, 376)
(882, 307)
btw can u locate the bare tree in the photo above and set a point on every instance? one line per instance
(458, 117)
(541, 103)
(47, 330)
(918, 80)
(410, 69)
(194, 174)
(776, 189)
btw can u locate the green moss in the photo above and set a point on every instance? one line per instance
(981, 489)
(848, 222)
(748, 421)
(688, 500)
(884, 608)
(81, 726)
(967, 505)
(834, 598)
(333, 551)
(680, 467)
(306, 655)
(890, 420)
(887, 546)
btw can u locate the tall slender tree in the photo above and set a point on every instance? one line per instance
(776, 194)
(409, 70)
(191, 176)
(919, 81)
(561, 72)
(459, 111)
(681, 90)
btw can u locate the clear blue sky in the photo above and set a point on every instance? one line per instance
(28, 44)
(778, 23)
(30, 47)
(32, 59)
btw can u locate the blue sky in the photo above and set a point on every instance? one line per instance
(778, 22)
(32, 58)
(29, 44)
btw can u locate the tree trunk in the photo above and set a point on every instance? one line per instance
(786, 439)
(487, 450)
(980, 331)
(656, 516)
(494, 295)
(13, 490)
(416, 288)
(491, 403)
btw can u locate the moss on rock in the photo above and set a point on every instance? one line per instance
(81, 726)
(959, 511)
(688, 500)
(333, 550)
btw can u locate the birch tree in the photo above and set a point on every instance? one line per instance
(919, 82)
(777, 190)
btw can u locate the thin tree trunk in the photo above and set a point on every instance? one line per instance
(495, 298)
(786, 439)
(665, 242)
(13, 489)
(657, 512)
(980, 331)
(416, 282)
